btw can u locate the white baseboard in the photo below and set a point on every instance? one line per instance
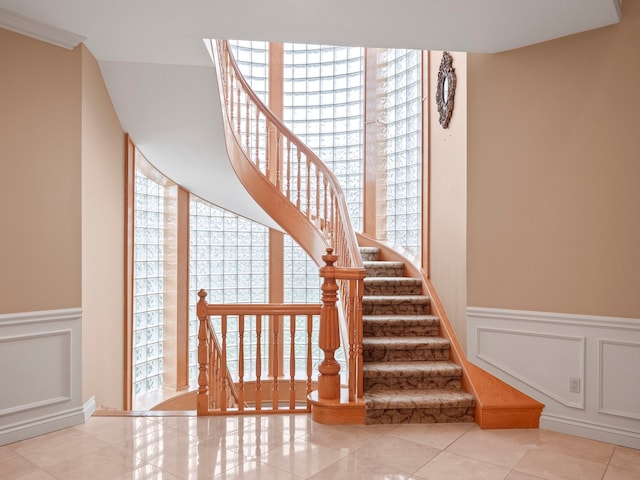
(40, 425)
(540, 353)
(594, 431)
(89, 408)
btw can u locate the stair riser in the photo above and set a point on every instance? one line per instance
(378, 384)
(385, 270)
(416, 354)
(374, 330)
(419, 415)
(390, 289)
(369, 256)
(397, 308)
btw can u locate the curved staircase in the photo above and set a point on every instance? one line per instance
(408, 377)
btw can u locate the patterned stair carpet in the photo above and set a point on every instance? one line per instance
(408, 377)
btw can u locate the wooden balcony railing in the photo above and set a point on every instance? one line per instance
(303, 196)
(257, 382)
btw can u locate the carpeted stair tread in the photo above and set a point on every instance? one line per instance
(400, 325)
(369, 254)
(431, 368)
(399, 343)
(396, 304)
(383, 268)
(397, 399)
(392, 286)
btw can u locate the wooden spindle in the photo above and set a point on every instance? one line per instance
(329, 381)
(223, 366)
(309, 357)
(203, 355)
(276, 364)
(292, 362)
(241, 363)
(259, 362)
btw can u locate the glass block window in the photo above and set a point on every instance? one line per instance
(229, 258)
(148, 285)
(399, 74)
(253, 60)
(323, 105)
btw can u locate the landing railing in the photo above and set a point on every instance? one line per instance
(304, 197)
(253, 380)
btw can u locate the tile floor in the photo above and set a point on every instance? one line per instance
(287, 447)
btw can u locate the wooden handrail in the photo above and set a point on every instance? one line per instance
(290, 182)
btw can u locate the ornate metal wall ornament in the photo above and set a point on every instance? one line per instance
(446, 89)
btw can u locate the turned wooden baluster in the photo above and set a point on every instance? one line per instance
(329, 341)
(203, 355)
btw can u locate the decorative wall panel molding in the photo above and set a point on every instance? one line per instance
(533, 357)
(40, 373)
(619, 378)
(583, 368)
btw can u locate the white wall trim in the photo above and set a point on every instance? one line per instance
(555, 318)
(40, 31)
(536, 353)
(89, 408)
(45, 393)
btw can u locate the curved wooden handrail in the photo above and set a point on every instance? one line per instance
(290, 182)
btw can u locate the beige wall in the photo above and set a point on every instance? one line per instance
(448, 183)
(103, 178)
(40, 210)
(553, 172)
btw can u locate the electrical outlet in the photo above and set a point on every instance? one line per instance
(574, 384)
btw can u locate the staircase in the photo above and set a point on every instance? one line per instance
(408, 377)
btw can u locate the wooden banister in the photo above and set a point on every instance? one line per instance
(290, 182)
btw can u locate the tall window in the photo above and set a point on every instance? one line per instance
(229, 258)
(148, 285)
(323, 105)
(399, 79)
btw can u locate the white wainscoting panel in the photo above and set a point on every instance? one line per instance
(40, 373)
(549, 356)
(619, 374)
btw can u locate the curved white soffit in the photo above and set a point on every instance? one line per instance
(173, 114)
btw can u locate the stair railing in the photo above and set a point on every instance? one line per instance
(252, 388)
(290, 182)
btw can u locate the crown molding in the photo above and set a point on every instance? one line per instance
(40, 31)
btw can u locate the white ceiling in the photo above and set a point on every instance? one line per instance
(162, 83)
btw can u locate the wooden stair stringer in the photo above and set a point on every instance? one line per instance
(498, 404)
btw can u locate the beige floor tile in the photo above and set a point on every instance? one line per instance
(54, 451)
(302, 458)
(255, 441)
(448, 466)
(255, 470)
(436, 435)
(515, 475)
(576, 446)
(398, 453)
(354, 467)
(103, 464)
(624, 465)
(504, 448)
(162, 442)
(147, 472)
(346, 438)
(16, 467)
(204, 460)
(119, 431)
(208, 427)
(554, 465)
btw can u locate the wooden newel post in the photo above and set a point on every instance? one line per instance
(329, 380)
(203, 355)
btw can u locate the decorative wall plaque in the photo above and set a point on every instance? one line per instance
(446, 89)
